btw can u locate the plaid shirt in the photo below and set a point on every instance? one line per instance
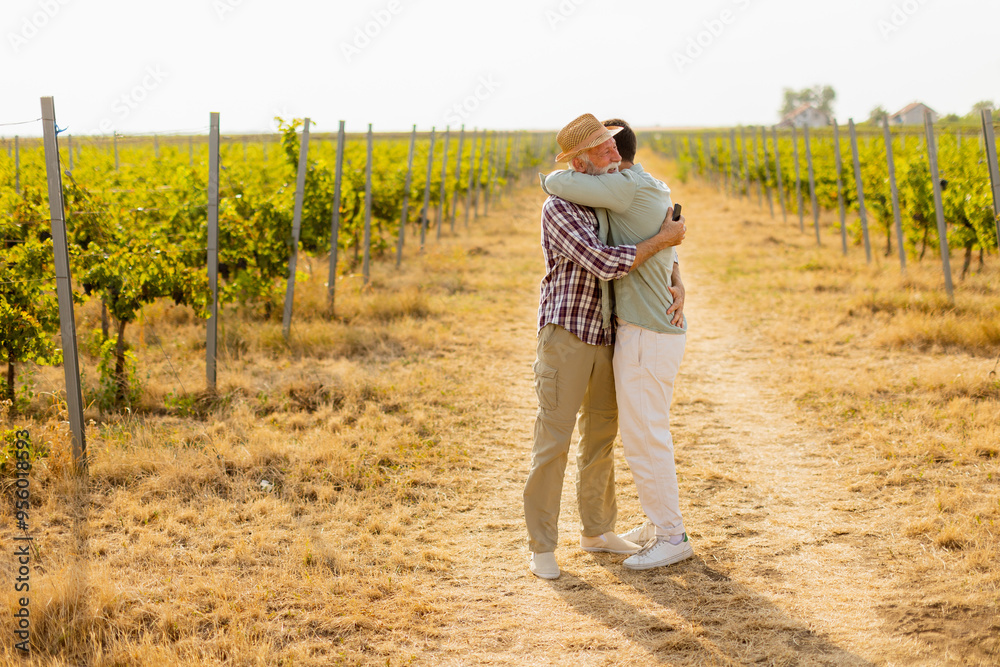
(575, 259)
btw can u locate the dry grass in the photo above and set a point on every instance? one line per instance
(352, 495)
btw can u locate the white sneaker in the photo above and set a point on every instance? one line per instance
(641, 534)
(659, 553)
(608, 543)
(544, 565)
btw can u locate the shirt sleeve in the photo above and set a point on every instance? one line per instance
(614, 192)
(572, 235)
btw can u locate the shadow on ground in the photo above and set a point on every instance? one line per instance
(700, 615)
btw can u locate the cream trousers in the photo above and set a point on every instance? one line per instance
(646, 364)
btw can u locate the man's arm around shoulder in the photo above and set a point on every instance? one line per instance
(614, 192)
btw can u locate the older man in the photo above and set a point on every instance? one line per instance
(573, 369)
(649, 345)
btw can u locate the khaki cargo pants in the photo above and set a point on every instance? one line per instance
(571, 375)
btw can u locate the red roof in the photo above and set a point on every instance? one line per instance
(910, 107)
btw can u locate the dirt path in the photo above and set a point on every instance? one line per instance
(785, 568)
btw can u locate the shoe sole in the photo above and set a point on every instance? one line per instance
(545, 575)
(661, 563)
(600, 550)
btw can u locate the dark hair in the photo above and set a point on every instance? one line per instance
(625, 139)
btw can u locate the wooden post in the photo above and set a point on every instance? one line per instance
(331, 283)
(444, 183)
(366, 262)
(990, 143)
(489, 174)
(939, 206)
(17, 165)
(756, 169)
(812, 185)
(733, 163)
(777, 171)
(64, 287)
(116, 150)
(406, 199)
(840, 187)
(472, 169)
(861, 190)
(212, 329)
(502, 159)
(798, 181)
(458, 177)
(479, 175)
(156, 146)
(427, 193)
(895, 193)
(300, 188)
(746, 163)
(767, 172)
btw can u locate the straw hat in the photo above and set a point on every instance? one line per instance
(582, 134)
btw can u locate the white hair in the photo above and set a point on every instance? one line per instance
(587, 162)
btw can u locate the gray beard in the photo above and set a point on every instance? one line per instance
(594, 171)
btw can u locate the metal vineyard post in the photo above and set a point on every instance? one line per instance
(439, 220)
(335, 219)
(212, 326)
(300, 187)
(895, 193)
(424, 210)
(812, 185)
(458, 177)
(366, 262)
(767, 172)
(406, 198)
(64, 287)
(798, 181)
(861, 190)
(840, 187)
(777, 171)
(938, 205)
(991, 157)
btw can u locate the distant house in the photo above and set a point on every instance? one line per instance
(912, 114)
(805, 115)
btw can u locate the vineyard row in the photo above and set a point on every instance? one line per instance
(910, 184)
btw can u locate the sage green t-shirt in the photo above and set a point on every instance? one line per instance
(636, 205)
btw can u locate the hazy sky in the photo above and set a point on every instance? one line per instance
(138, 65)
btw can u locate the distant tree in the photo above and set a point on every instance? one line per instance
(821, 97)
(876, 115)
(983, 104)
(951, 118)
(978, 107)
